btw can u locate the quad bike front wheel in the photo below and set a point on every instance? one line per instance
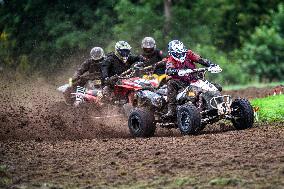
(68, 97)
(141, 123)
(242, 114)
(189, 120)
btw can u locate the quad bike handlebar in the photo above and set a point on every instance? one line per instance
(212, 69)
(131, 71)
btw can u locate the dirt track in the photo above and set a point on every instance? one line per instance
(43, 141)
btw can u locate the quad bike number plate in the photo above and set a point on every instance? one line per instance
(222, 104)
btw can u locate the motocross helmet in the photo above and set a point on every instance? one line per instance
(177, 50)
(122, 50)
(97, 53)
(148, 45)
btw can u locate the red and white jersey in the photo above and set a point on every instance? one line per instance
(188, 63)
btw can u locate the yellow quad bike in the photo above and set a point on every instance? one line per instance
(159, 79)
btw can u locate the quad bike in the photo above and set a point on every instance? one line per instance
(199, 104)
(72, 88)
(121, 95)
(160, 80)
(150, 74)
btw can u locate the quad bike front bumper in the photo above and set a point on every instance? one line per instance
(222, 104)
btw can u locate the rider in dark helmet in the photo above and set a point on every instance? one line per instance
(180, 58)
(90, 69)
(152, 55)
(118, 61)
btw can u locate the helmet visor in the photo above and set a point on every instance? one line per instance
(124, 52)
(148, 50)
(179, 55)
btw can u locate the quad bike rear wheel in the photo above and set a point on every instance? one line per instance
(141, 123)
(189, 120)
(242, 113)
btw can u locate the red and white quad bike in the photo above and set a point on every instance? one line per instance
(122, 94)
(199, 104)
(74, 94)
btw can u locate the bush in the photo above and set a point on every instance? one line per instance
(232, 73)
(263, 52)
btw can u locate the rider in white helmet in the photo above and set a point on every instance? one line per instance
(180, 58)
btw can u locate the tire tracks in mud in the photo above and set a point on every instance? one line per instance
(254, 156)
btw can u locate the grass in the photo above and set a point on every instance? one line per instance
(184, 182)
(257, 85)
(224, 182)
(5, 180)
(162, 182)
(271, 108)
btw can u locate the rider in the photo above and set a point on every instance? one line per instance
(90, 69)
(118, 62)
(180, 58)
(152, 55)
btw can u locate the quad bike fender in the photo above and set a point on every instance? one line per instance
(155, 79)
(204, 85)
(63, 88)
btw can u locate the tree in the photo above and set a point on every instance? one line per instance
(263, 52)
(168, 16)
(239, 19)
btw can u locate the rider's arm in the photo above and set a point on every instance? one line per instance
(170, 69)
(84, 67)
(205, 62)
(197, 58)
(160, 54)
(106, 64)
(160, 67)
(160, 64)
(133, 59)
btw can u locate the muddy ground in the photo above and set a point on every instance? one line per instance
(46, 144)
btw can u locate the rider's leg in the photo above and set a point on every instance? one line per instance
(80, 82)
(218, 86)
(173, 87)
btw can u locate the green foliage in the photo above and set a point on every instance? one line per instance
(239, 18)
(183, 181)
(225, 182)
(24, 66)
(5, 179)
(195, 23)
(232, 72)
(263, 52)
(244, 37)
(137, 21)
(47, 34)
(254, 84)
(270, 108)
(162, 182)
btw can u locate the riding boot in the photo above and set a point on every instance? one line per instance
(171, 111)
